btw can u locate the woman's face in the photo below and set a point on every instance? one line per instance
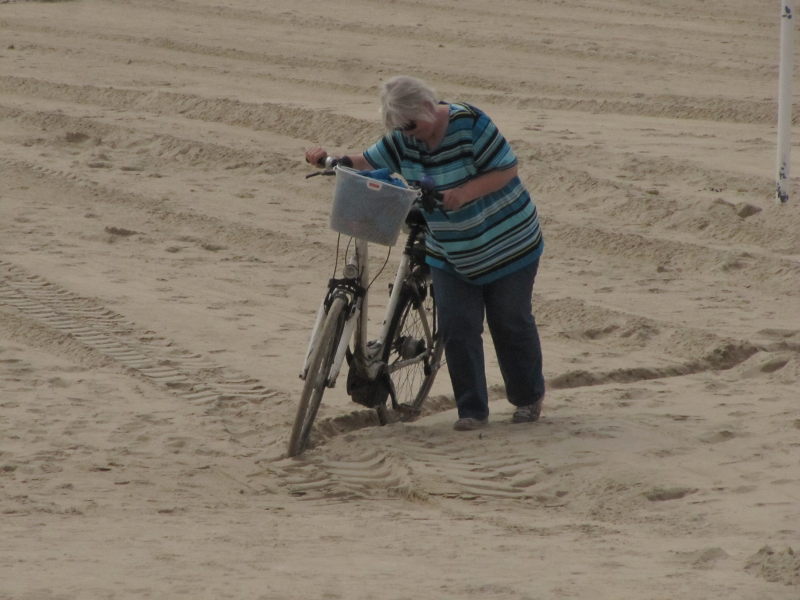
(421, 127)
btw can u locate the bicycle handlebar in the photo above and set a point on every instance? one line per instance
(430, 198)
(330, 162)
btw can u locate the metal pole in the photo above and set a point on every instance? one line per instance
(785, 99)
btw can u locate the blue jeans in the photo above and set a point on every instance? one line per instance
(506, 303)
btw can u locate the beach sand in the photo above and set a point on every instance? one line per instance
(162, 257)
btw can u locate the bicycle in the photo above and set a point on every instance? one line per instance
(401, 363)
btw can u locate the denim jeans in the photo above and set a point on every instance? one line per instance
(506, 304)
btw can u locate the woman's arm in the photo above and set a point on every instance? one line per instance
(359, 162)
(475, 188)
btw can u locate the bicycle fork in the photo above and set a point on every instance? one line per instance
(351, 320)
(353, 288)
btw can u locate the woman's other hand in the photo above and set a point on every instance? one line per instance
(455, 198)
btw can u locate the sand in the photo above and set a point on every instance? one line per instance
(162, 257)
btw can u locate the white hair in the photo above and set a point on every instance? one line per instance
(405, 99)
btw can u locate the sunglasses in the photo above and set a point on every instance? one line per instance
(410, 126)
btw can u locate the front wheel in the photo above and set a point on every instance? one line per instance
(413, 348)
(319, 366)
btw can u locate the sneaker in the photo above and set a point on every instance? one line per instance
(470, 424)
(529, 413)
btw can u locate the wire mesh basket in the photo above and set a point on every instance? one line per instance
(369, 209)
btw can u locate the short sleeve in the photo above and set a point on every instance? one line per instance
(385, 153)
(491, 150)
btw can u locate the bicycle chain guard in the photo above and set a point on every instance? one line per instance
(369, 392)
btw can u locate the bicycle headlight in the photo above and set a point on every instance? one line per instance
(350, 271)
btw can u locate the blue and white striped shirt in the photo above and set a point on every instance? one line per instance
(493, 235)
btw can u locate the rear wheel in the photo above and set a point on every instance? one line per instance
(413, 350)
(319, 367)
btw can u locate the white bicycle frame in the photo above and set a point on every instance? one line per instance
(357, 319)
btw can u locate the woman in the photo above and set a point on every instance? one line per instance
(483, 249)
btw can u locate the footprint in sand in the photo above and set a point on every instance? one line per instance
(718, 437)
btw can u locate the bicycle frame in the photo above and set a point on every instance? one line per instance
(401, 363)
(355, 326)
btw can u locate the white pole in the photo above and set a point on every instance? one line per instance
(785, 99)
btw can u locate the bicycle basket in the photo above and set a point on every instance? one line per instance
(369, 209)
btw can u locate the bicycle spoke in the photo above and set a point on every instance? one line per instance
(412, 352)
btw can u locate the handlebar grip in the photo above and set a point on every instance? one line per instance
(329, 162)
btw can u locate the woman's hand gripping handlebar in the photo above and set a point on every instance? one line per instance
(328, 164)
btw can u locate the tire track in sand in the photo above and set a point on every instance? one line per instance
(417, 470)
(190, 376)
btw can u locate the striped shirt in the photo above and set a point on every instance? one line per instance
(493, 235)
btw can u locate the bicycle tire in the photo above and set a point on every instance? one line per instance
(406, 339)
(317, 376)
